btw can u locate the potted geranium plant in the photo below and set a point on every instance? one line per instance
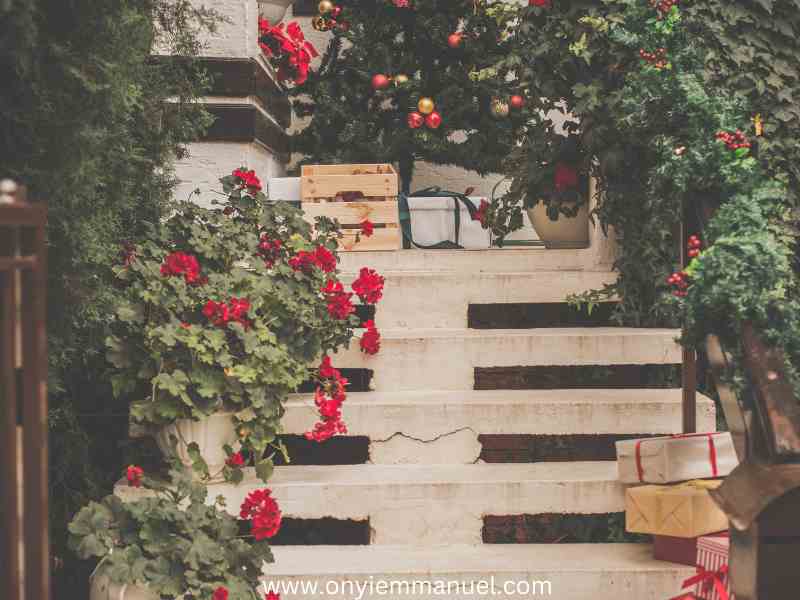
(169, 543)
(550, 177)
(225, 312)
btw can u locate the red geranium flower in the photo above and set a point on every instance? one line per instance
(263, 512)
(326, 369)
(272, 596)
(368, 286)
(539, 3)
(367, 228)
(370, 339)
(134, 475)
(566, 177)
(220, 313)
(340, 305)
(269, 250)
(289, 49)
(180, 263)
(325, 259)
(220, 594)
(248, 179)
(235, 460)
(482, 212)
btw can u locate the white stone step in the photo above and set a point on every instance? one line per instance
(427, 427)
(574, 572)
(434, 504)
(441, 299)
(445, 359)
(495, 260)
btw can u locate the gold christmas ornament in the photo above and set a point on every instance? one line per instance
(426, 106)
(499, 109)
(320, 23)
(400, 79)
(325, 7)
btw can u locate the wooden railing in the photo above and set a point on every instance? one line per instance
(689, 371)
(24, 542)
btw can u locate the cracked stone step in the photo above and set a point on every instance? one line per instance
(441, 299)
(472, 261)
(438, 427)
(574, 572)
(445, 359)
(431, 504)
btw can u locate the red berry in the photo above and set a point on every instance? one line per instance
(380, 81)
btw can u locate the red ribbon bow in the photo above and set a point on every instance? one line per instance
(712, 452)
(715, 578)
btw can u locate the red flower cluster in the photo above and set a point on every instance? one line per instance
(329, 398)
(566, 177)
(539, 3)
(482, 213)
(402, 3)
(306, 261)
(680, 281)
(134, 475)
(269, 250)
(220, 594)
(263, 513)
(694, 245)
(367, 228)
(658, 58)
(180, 263)
(370, 339)
(220, 314)
(289, 48)
(272, 596)
(368, 286)
(248, 180)
(235, 460)
(340, 305)
(663, 7)
(734, 141)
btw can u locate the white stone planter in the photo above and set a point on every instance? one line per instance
(274, 10)
(103, 588)
(565, 232)
(210, 434)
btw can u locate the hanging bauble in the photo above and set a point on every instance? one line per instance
(415, 120)
(320, 23)
(325, 6)
(516, 101)
(380, 81)
(426, 106)
(433, 120)
(400, 80)
(499, 109)
(454, 40)
(337, 10)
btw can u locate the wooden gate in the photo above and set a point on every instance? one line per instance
(24, 544)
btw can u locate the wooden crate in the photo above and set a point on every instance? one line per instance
(320, 185)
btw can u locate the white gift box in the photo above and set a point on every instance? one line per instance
(284, 188)
(676, 458)
(713, 555)
(433, 221)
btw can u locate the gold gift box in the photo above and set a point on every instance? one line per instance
(683, 510)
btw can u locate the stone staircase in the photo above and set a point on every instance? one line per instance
(424, 491)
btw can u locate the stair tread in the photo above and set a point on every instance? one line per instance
(560, 332)
(458, 559)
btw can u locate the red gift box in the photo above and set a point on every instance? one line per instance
(712, 581)
(682, 551)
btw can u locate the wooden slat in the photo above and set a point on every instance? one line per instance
(354, 213)
(347, 169)
(381, 239)
(326, 181)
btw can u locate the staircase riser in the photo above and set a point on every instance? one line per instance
(449, 363)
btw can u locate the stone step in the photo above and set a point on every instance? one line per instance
(494, 260)
(432, 504)
(441, 299)
(426, 427)
(445, 359)
(562, 571)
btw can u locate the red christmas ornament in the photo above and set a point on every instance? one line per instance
(516, 101)
(415, 120)
(433, 120)
(380, 81)
(454, 40)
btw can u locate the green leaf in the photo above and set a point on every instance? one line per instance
(264, 469)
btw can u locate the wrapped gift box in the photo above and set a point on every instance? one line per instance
(683, 510)
(433, 221)
(682, 551)
(712, 581)
(676, 458)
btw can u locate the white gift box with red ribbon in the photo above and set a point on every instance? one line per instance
(712, 581)
(675, 458)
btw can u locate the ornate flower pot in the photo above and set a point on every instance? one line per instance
(565, 232)
(104, 589)
(274, 10)
(210, 434)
